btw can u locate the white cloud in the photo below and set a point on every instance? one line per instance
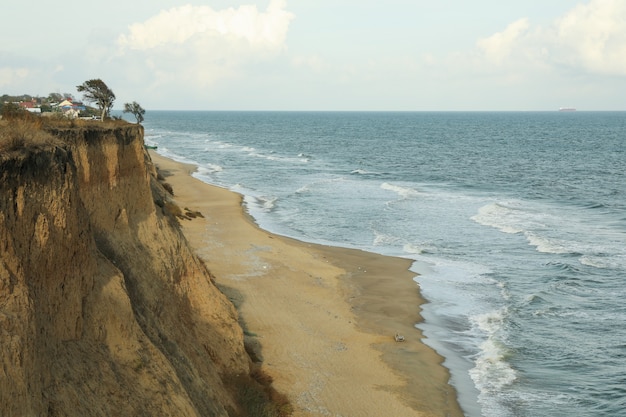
(590, 38)
(593, 36)
(499, 46)
(189, 48)
(178, 26)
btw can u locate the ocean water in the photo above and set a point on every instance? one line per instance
(516, 223)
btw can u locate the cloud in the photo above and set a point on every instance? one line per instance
(189, 48)
(499, 46)
(590, 38)
(180, 25)
(593, 36)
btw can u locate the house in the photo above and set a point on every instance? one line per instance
(27, 104)
(31, 106)
(71, 109)
(66, 104)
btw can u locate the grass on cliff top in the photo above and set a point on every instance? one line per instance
(17, 136)
(26, 131)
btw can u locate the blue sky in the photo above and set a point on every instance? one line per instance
(322, 54)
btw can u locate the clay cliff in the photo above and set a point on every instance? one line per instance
(104, 308)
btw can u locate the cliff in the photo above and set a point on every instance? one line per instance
(104, 308)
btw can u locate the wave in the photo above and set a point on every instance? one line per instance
(207, 169)
(491, 372)
(382, 239)
(558, 231)
(414, 249)
(304, 189)
(150, 141)
(565, 267)
(601, 261)
(259, 203)
(593, 253)
(404, 192)
(274, 157)
(549, 245)
(304, 157)
(176, 157)
(360, 171)
(502, 216)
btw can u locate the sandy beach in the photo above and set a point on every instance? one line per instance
(321, 319)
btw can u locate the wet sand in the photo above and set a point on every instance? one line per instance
(321, 319)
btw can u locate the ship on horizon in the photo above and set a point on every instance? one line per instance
(567, 109)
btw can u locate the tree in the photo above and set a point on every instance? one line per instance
(55, 97)
(96, 91)
(136, 109)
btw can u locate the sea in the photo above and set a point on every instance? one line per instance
(515, 221)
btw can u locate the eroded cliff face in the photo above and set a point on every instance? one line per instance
(104, 309)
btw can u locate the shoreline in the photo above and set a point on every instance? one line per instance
(320, 318)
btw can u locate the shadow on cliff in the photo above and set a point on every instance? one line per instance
(252, 344)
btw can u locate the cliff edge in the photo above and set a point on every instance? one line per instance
(104, 308)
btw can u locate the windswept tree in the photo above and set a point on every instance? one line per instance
(96, 91)
(55, 97)
(136, 110)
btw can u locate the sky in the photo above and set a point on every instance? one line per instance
(392, 55)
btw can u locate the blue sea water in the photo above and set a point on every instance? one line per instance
(516, 223)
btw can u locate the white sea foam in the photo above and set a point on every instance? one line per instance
(404, 192)
(554, 230)
(381, 239)
(504, 291)
(268, 203)
(448, 328)
(416, 249)
(491, 371)
(275, 157)
(303, 189)
(489, 323)
(547, 245)
(208, 169)
(260, 203)
(239, 188)
(304, 157)
(502, 217)
(151, 140)
(176, 157)
(614, 261)
(360, 171)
